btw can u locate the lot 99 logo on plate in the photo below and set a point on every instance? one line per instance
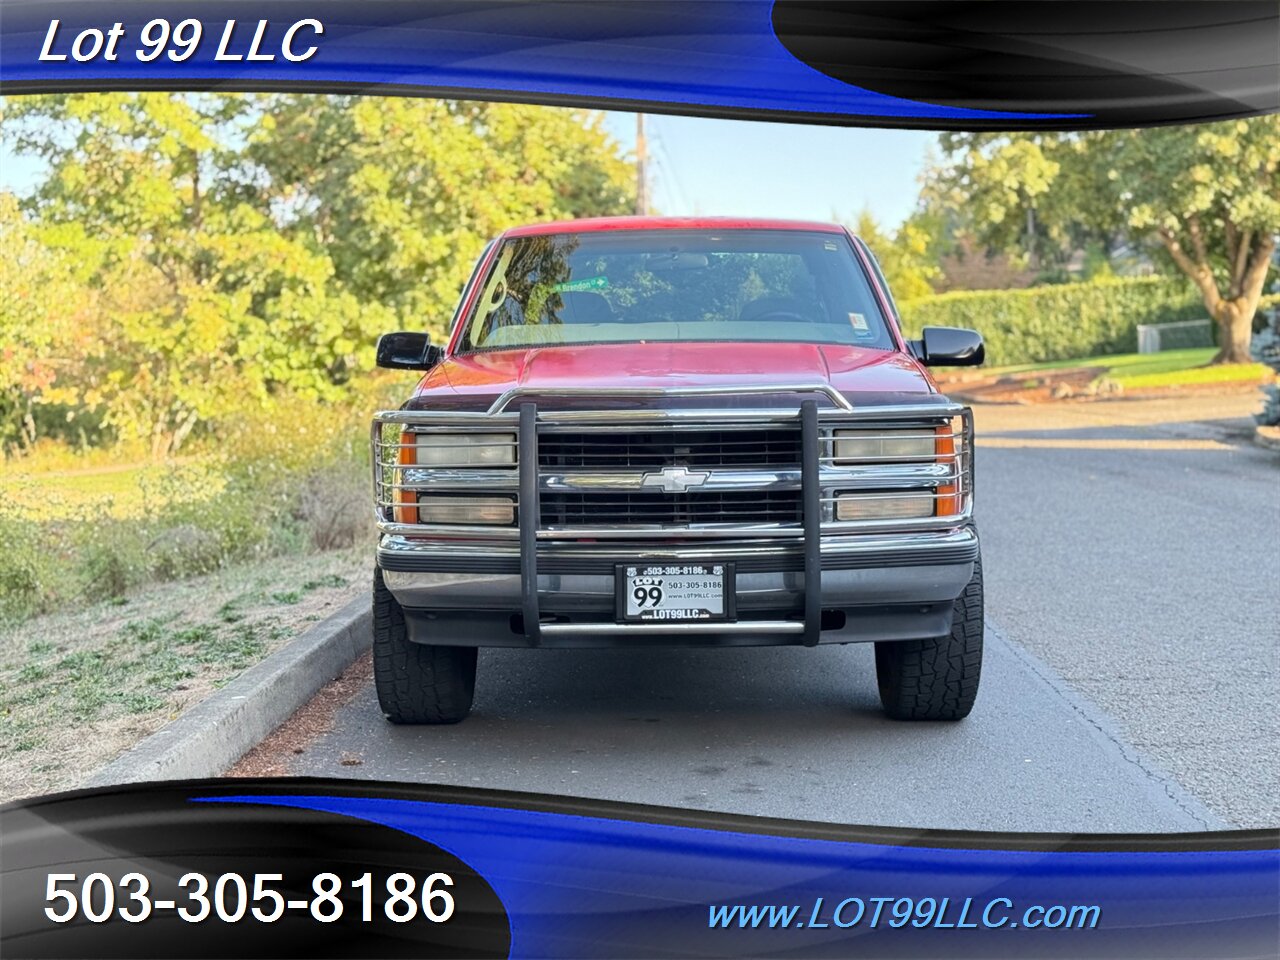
(646, 590)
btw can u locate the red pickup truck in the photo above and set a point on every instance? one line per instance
(649, 431)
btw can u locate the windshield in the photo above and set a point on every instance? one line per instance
(675, 285)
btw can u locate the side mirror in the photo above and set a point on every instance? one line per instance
(407, 351)
(949, 347)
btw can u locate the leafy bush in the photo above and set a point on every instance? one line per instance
(334, 510)
(185, 550)
(112, 560)
(27, 575)
(1266, 349)
(1057, 322)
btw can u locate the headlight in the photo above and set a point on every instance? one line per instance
(497, 510)
(889, 452)
(881, 507)
(465, 449)
(852, 446)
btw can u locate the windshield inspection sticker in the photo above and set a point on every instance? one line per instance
(588, 283)
(859, 322)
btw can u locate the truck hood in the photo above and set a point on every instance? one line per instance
(480, 377)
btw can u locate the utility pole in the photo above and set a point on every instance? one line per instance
(642, 181)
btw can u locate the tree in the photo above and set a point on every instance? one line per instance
(44, 310)
(1001, 183)
(404, 193)
(141, 194)
(905, 257)
(1212, 197)
(241, 248)
(1207, 196)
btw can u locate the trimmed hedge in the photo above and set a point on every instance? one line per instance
(1058, 322)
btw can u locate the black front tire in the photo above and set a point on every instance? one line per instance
(936, 679)
(417, 682)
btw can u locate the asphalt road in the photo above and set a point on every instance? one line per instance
(1130, 682)
(1133, 546)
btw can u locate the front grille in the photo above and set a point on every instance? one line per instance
(655, 449)
(594, 472)
(667, 509)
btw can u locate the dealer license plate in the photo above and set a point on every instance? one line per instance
(674, 592)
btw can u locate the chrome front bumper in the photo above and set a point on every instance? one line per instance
(872, 588)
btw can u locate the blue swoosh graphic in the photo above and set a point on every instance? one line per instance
(569, 882)
(723, 54)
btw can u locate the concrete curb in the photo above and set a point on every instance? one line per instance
(1266, 441)
(211, 736)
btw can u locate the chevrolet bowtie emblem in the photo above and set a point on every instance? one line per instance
(675, 479)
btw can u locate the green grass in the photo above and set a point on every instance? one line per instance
(124, 481)
(1170, 368)
(124, 491)
(79, 685)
